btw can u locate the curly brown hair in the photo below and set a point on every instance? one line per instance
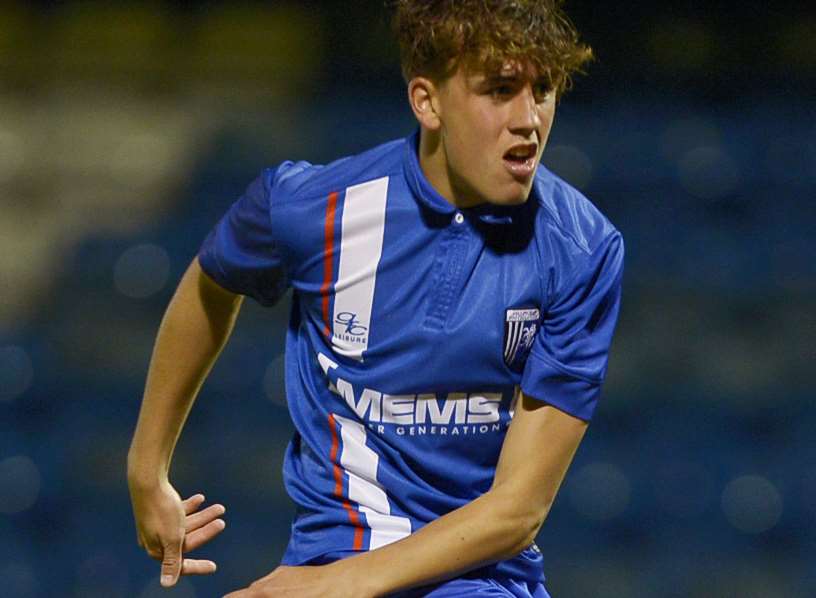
(436, 36)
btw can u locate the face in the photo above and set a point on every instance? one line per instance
(486, 133)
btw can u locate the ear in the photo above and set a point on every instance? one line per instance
(423, 96)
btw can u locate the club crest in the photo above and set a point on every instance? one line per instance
(520, 327)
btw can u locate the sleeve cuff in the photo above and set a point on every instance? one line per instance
(209, 263)
(566, 393)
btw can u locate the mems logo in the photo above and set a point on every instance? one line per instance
(476, 412)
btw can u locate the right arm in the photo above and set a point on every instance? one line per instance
(194, 329)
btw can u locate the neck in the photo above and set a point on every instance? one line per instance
(434, 163)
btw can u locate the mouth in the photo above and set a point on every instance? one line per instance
(520, 160)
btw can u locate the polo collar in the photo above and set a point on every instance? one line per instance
(419, 184)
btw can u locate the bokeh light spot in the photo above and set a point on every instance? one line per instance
(708, 173)
(19, 484)
(16, 372)
(599, 491)
(752, 504)
(141, 271)
(683, 135)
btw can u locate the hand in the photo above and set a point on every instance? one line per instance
(303, 582)
(167, 527)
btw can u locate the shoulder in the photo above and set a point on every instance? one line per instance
(569, 214)
(291, 180)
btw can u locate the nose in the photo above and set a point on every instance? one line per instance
(525, 117)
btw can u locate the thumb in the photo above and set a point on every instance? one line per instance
(171, 563)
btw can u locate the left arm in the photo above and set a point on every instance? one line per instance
(496, 526)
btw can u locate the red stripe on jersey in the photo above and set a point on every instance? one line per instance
(335, 445)
(328, 259)
(353, 515)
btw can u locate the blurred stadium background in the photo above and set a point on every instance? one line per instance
(126, 129)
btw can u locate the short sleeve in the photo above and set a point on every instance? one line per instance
(567, 363)
(241, 253)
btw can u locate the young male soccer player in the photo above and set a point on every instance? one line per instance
(444, 284)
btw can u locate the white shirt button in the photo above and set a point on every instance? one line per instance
(459, 218)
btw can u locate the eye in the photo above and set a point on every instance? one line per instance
(501, 91)
(542, 90)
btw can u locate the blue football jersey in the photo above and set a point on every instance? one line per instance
(413, 326)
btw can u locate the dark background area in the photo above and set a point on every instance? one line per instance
(127, 129)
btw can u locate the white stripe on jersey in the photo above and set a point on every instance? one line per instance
(361, 244)
(513, 337)
(360, 463)
(517, 341)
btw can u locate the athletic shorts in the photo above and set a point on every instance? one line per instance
(490, 587)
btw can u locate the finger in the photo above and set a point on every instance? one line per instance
(197, 567)
(171, 562)
(203, 535)
(200, 519)
(191, 504)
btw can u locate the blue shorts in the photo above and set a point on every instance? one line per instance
(487, 587)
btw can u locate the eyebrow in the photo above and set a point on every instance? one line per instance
(499, 78)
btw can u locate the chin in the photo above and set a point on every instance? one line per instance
(515, 197)
(520, 199)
